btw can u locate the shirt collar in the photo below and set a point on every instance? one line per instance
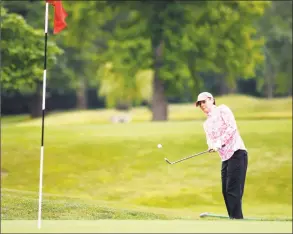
(213, 108)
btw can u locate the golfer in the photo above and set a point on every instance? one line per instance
(223, 137)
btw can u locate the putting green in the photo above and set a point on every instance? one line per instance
(157, 226)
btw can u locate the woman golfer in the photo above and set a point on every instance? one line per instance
(223, 137)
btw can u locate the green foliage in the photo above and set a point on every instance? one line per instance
(115, 88)
(169, 22)
(197, 37)
(77, 40)
(134, 38)
(276, 27)
(221, 38)
(128, 53)
(23, 52)
(244, 49)
(129, 49)
(85, 40)
(59, 76)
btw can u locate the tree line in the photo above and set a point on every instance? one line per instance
(127, 53)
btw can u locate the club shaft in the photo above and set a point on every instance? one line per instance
(189, 157)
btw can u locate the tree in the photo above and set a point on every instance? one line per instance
(85, 43)
(113, 86)
(23, 52)
(146, 39)
(187, 39)
(276, 27)
(126, 60)
(60, 77)
(221, 39)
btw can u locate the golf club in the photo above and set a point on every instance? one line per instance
(180, 160)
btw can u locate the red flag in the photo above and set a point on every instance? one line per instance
(59, 16)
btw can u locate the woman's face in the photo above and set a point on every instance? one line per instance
(206, 105)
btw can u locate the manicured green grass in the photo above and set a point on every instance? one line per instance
(146, 226)
(97, 170)
(121, 164)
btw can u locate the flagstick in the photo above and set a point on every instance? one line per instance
(43, 119)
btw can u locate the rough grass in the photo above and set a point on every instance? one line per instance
(114, 170)
(19, 205)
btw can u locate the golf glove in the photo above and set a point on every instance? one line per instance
(215, 147)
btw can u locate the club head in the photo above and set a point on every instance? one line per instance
(167, 161)
(203, 214)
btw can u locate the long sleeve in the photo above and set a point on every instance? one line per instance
(221, 130)
(229, 120)
(209, 141)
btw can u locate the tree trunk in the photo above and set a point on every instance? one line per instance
(159, 101)
(269, 86)
(223, 87)
(36, 102)
(269, 77)
(232, 89)
(290, 87)
(81, 95)
(289, 73)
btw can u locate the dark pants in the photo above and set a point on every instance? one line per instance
(233, 180)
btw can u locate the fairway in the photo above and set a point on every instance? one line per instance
(116, 172)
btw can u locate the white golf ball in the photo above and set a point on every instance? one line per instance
(160, 146)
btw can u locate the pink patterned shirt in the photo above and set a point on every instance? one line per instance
(221, 129)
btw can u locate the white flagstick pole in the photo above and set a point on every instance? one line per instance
(43, 118)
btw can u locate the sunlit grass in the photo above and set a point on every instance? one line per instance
(121, 164)
(244, 107)
(146, 226)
